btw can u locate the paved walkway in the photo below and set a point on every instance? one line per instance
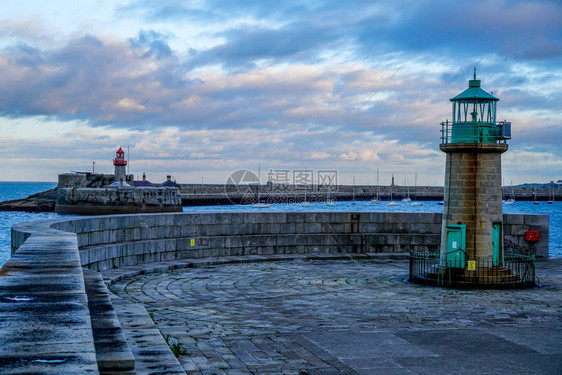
(349, 317)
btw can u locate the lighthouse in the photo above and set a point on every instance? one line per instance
(471, 253)
(120, 163)
(472, 213)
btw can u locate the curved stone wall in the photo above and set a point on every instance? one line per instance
(107, 242)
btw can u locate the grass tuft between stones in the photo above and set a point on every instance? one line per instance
(175, 345)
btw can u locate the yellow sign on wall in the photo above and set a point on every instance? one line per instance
(192, 242)
(471, 265)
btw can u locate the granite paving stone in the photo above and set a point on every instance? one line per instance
(347, 316)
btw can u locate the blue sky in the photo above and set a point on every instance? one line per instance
(200, 89)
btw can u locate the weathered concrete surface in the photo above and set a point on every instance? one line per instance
(44, 318)
(348, 317)
(55, 319)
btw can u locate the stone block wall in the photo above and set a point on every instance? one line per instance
(115, 200)
(473, 196)
(116, 241)
(514, 228)
(112, 242)
(70, 180)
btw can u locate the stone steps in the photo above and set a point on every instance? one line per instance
(112, 352)
(500, 276)
(152, 353)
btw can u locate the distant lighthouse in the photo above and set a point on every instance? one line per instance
(472, 212)
(120, 164)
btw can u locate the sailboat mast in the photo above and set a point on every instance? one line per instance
(259, 181)
(378, 186)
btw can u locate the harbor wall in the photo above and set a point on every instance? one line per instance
(117, 200)
(58, 316)
(209, 194)
(117, 241)
(212, 194)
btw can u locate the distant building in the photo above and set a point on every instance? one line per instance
(169, 182)
(143, 182)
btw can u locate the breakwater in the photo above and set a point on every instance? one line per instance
(203, 194)
(49, 285)
(117, 200)
(219, 194)
(213, 194)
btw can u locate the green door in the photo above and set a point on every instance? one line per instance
(497, 255)
(456, 245)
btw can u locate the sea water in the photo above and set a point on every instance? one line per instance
(18, 190)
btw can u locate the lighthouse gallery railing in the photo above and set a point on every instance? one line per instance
(469, 132)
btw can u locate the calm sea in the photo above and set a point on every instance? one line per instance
(17, 190)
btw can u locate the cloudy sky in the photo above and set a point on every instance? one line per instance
(199, 89)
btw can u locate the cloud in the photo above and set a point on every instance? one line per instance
(152, 43)
(228, 83)
(538, 49)
(26, 29)
(89, 78)
(468, 28)
(112, 82)
(246, 47)
(127, 104)
(166, 11)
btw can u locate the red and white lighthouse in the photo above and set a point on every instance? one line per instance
(120, 163)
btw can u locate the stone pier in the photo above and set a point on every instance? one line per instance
(267, 293)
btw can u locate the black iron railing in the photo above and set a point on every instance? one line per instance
(516, 270)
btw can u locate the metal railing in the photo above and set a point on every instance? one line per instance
(468, 132)
(516, 270)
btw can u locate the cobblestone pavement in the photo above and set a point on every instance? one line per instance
(349, 317)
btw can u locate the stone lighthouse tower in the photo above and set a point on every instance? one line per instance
(120, 163)
(472, 214)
